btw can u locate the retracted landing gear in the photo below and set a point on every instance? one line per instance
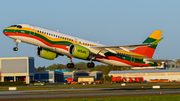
(70, 65)
(16, 41)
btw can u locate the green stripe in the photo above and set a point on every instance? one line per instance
(40, 36)
(149, 40)
(131, 59)
(153, 46)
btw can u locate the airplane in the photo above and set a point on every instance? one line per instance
(52, 44)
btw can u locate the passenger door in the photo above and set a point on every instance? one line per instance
(32, 30)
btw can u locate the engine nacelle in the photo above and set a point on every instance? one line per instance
(79, 51)
(46, 53)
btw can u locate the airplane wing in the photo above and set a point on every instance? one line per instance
(103, 49)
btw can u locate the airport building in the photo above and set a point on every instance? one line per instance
(173, 66)
(22, 69)
(49, 77)
(170, 74)
(75, 75)
(17, 69)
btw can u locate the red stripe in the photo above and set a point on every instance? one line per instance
(146, 51)
(123, 61)
(37, 38)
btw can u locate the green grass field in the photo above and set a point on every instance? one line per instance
(120, 98)
(135, 85)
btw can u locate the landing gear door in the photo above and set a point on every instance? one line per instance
(32, 30)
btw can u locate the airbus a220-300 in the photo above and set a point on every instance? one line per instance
(51, 44)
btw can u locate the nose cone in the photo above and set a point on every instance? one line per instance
(5, 31)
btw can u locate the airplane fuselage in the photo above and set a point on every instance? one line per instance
(60, 43)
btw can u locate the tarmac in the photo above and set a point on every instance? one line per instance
(106, 92)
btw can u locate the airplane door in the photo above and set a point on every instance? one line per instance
(32, 30)
(132, 57)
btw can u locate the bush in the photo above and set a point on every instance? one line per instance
(18, 83)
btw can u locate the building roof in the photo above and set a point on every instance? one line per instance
(144, 71)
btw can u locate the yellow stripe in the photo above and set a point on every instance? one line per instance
(156, 34)
(139, 56)
(48, 37)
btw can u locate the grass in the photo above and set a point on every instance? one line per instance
(117, 85)
(119, 98)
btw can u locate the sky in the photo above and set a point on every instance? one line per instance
(111, 22)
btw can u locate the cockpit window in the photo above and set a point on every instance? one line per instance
(13, 25)
(18, 26)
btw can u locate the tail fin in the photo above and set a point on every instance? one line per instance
(149, 50)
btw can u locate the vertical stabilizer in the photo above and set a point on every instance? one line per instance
(148, 51)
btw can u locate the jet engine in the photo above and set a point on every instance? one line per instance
(79, 51)
(46, 53)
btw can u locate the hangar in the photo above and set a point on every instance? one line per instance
(171, 74)
(17, 69)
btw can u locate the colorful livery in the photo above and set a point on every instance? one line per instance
(52, 44)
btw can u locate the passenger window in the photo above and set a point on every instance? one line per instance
(65, 38)
(56, 36)
(37, 30)
(49, 34)
(40, 31)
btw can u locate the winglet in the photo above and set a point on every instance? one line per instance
(157, 41)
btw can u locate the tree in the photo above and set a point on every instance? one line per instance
(40, 68)
(178, 60)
